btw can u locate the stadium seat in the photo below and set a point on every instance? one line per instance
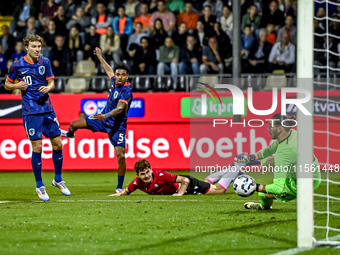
(59, 85)
(76, 85)
(85, 68)
(162, 83)
(99, 85)
(142, 84)
(210, 80)
(5, 20)
(183, 83)
(277, 81)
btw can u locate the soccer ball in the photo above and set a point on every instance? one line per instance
(244, 185)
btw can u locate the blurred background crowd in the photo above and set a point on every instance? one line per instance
(158, 37)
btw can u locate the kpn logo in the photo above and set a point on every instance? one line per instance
(237, 104)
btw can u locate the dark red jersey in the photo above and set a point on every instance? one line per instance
(163, 184)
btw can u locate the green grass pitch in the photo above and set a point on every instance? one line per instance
(90, 222)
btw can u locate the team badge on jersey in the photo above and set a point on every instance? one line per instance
(41, 70)
(31, 131)
(115, 95)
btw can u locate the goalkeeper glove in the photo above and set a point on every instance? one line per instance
(245, 158)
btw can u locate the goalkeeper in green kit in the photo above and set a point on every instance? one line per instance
(283, 163)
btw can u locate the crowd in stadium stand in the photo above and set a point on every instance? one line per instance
(158, 37)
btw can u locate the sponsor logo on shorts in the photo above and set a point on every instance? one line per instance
(31, 131)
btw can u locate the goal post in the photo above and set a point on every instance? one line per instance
(305, 191)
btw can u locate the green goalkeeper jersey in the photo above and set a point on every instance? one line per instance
(284, 184)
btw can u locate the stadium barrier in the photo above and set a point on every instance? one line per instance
(159, 129)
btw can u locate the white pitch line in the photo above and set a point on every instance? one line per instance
(292, 251)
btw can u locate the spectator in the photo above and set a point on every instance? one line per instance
(247, 41)
(122, 24)
(216, 7)
(144, 58)
(168, 59)
(168, 18)
(321, 13)
(334, 27)
(318, 40)
(282, 55)
(60, 21)
(272, 15)
(188, 17)
(158, 34)
(223, 41)
(47, 10)
(288, 8)
(212, 61)
(153, 6)
(89, 8)
(3, 62)
(207, 19)
(180, 36)
(271, 33)
(7, 42)
(48, 39)
(79, 19)
(327, 57)
(251, 18)
(135, 38)
(19, 51)
(76, 45)
(60, 58)
(290, 29)
(144, 18)
(201, 36)
(227, 20)
(110, 45)
(258, 55)
(102, 20)
(30, 30)
(197, 5)
(70, 8)
(92, 40)
(175, 6)
(132, 8)
(190, 56)
(21, 14)
(8, 66)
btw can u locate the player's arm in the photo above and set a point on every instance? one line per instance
(120, 107)
(50, 86)
(184, 181)
(124, 192)
(10, 85)
(106, 66)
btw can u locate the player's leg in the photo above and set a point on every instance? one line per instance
(51, 129)
(230, 175)
(74, 126)
(57, 157)
(216, 190)
(34, 126)
(120, 152)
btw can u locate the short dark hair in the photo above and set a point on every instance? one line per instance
(121, 66)
(141, 164)
(289, 121)
(247, 26)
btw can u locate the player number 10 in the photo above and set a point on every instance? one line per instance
(28, 80)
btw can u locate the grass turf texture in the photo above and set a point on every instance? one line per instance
(90, 222)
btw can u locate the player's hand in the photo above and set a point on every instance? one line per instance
(97, 52)
(245, 158)
(22, 85)
(115, 195)
(177, 195)
(44, 89)
(99, 117)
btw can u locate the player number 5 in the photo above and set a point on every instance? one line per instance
(121, 138)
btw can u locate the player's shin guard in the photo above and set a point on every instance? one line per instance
(58, 164)
(36, 165)
(230, 176)
(265, 202)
